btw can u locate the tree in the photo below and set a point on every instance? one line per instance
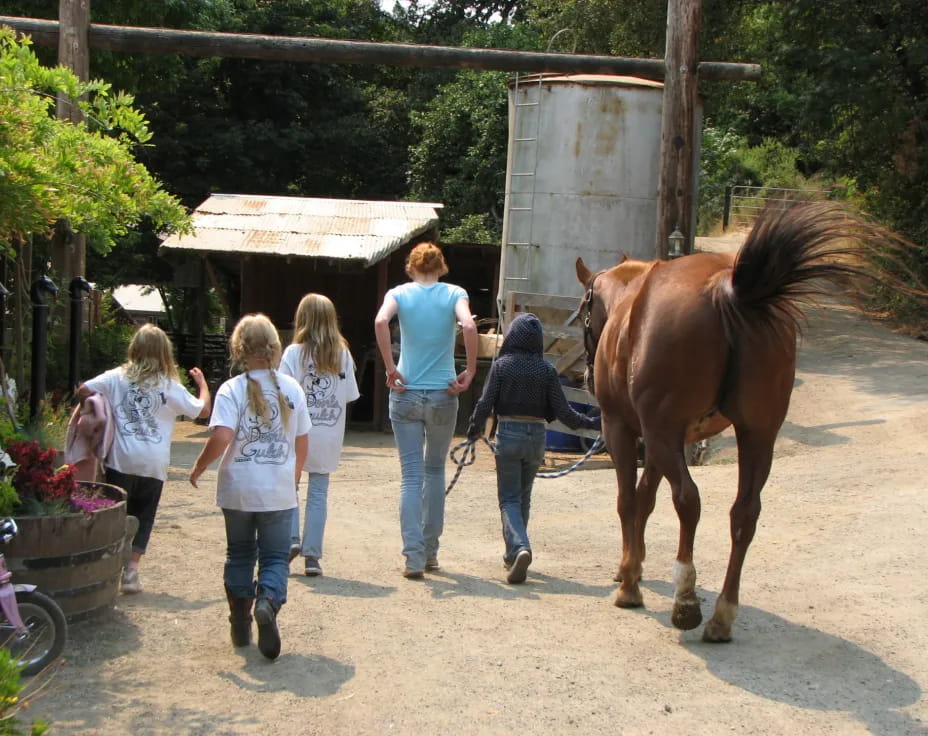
(84, 173)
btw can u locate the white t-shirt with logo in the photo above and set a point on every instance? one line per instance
(327, 398)
(144, 417)
(257, 471)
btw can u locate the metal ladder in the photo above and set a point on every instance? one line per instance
(519, 230)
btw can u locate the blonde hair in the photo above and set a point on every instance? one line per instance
(256, 337)
(150, 357)
(315, 327)
(427, 259)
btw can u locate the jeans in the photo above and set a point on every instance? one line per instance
(520, 450)
(142, 498)
(262, 537)
(423, 426)
(314, 517)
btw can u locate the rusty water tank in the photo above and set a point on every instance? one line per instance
(582, 177)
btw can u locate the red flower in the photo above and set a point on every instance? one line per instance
(37, 477)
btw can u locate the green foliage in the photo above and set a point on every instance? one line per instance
(12, 701)
(85, 173)
(460, 156)
(107, 344)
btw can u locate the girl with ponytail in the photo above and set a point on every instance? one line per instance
(260, 427)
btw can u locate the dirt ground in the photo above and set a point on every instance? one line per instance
(831, 638)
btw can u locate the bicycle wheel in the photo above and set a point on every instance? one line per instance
(45, 635)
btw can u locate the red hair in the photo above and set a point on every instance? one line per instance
(426, 259)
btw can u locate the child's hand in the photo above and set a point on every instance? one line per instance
(195, 474)
(197, 375)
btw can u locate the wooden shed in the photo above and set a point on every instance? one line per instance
(263, 253)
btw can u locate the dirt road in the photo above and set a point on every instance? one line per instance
(831, 637)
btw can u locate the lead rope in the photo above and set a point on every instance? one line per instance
(470, 455)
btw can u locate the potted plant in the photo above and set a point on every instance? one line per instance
(71, 533)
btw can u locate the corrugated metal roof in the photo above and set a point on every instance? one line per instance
(139, 298)
(343, 229)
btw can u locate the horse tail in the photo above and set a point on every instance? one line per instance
(790, 257)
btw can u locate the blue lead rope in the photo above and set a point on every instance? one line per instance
(470, 455)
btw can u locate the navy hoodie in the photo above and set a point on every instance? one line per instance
(522, 383)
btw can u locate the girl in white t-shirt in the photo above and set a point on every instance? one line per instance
(145, 397)
(320, 361)
(259, 426)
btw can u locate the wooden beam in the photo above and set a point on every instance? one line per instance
(132, 39)
(678, 133)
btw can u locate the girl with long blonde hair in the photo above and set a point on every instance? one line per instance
(146, 398)
(259, 427)
(320, 361)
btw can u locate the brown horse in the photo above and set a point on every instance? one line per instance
(685, 348)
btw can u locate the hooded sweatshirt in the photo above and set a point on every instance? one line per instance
(522, 383)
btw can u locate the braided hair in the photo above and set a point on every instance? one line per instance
(256, 337)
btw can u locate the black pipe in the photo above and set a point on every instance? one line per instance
(40, 287)
(78, 288)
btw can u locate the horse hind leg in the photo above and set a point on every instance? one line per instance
(755, 455)
(671, 460)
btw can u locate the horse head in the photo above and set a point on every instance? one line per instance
(600, 291)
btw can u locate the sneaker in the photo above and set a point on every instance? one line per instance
(131, 582)
(519, 568)
(313, 567)
(295, 550)
(412, 574)
(431, 564)
(268, 635)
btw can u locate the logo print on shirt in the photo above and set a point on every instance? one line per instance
(264, 440)
(136, 414)
(321, 401)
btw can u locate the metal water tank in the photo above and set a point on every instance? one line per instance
(582, 178)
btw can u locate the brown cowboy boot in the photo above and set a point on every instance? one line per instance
(240, 619)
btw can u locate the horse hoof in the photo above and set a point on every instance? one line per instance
(686, 617)
(629, 598)
(716, 632)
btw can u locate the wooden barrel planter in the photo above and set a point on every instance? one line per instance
(77, 559)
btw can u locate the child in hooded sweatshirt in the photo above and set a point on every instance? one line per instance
(523, 391)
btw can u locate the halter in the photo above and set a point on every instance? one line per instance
(590, 342)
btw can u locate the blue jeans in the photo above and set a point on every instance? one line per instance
(314, 516)
(423, 426)
(520, 450)
(262, 537)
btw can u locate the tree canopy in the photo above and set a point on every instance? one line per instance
(84, 173)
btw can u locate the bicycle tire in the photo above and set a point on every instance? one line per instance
(47, 632)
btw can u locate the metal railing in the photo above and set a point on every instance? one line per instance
(744, 204)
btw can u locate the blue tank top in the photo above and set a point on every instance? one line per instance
(427, 327)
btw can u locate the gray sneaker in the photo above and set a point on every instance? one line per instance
(431, 564)
(131, 582)
(519, 568)
(313, 567)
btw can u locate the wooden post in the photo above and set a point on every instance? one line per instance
(675, 193)
(377, 415)
(73, 49)
(69, 249)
